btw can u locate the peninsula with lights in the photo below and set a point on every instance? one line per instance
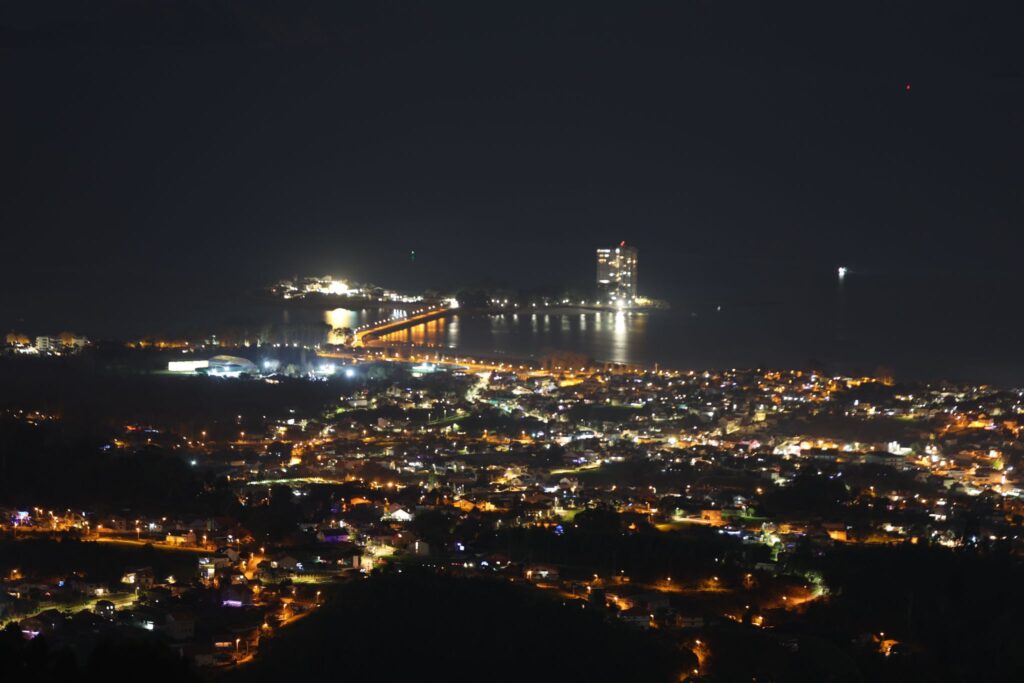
(615, 289)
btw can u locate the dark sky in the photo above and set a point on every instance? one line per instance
(207, 143)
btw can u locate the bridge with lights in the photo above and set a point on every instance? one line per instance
(363, 333)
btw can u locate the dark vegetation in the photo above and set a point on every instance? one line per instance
(48, 466)
(843, 428)
(744, 653)
(809, 495)
(421, 627)
(957, 610)
(112, 660)
(596, 414)
(60, 557)
(602, 541)
(95, 393)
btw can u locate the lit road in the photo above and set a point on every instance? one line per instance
(467, 363)
(142, 542)
(120, 600)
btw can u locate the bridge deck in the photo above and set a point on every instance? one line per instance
(371, 330)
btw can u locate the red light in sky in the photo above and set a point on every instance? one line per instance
(622, 243)
(907, 87)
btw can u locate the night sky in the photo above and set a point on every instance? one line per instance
(743, 147)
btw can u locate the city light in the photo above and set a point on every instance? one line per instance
(327, 336)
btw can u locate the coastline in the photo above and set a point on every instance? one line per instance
(328, 302)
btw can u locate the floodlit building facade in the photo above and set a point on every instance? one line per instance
(616, 274)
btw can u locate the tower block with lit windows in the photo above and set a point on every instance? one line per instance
(616, 275)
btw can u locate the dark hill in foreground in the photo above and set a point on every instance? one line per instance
(421, 627)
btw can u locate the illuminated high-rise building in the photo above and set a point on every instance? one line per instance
(616, 274)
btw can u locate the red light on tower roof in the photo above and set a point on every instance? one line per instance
(622, 243)
(907, 87)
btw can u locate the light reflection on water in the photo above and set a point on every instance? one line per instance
(602, 336)
(922, 327)
(839, 338)
(342, 318)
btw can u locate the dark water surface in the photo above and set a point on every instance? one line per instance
(921, 328)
